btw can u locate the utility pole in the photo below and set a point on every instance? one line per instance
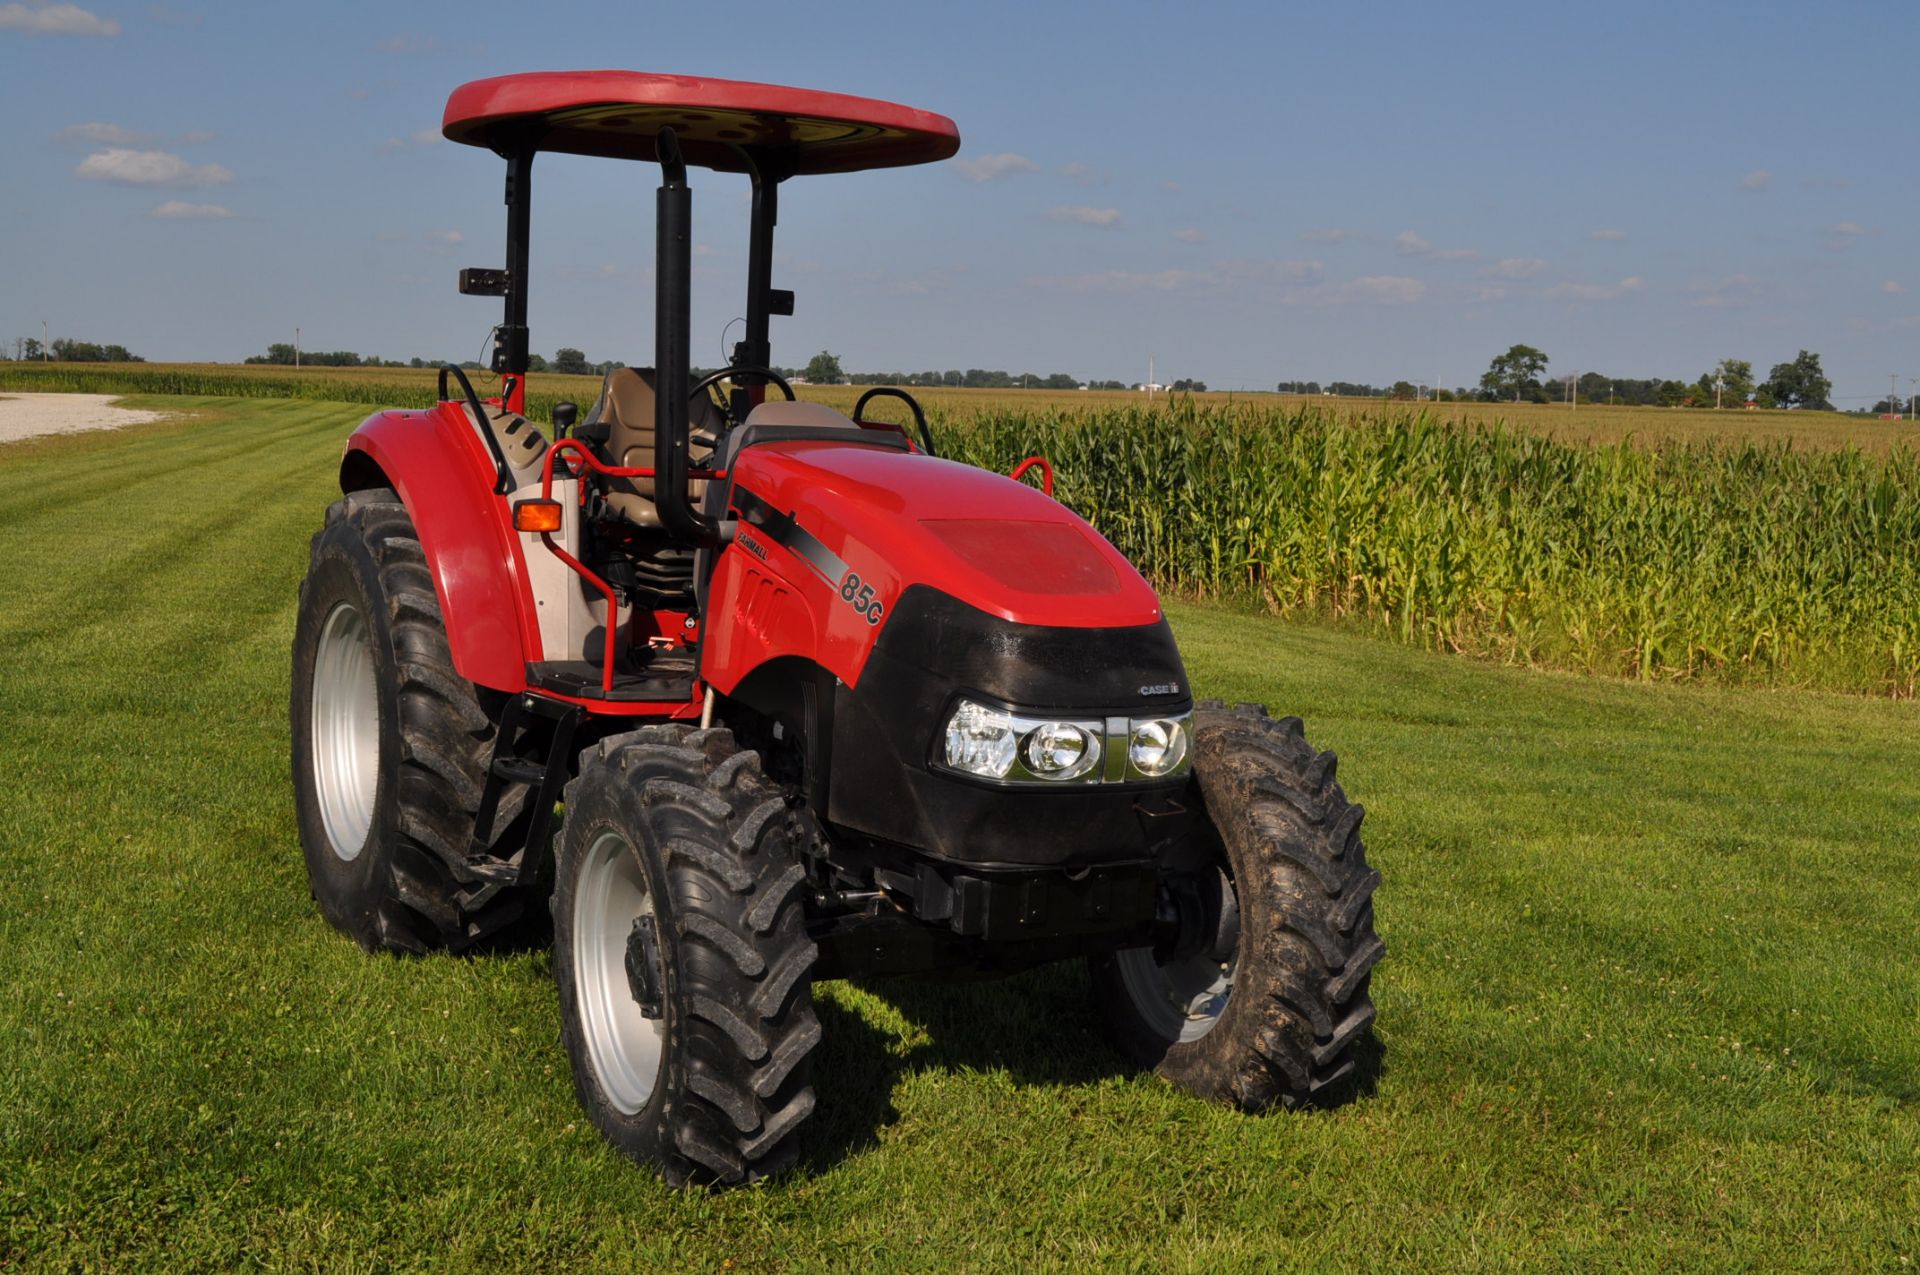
(1913, 387)
(1718, 385)
(1149, 376)
(46, 343)
(1893, 387)
(296, 349)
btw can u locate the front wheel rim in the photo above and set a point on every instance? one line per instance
(1182, 999)
(345, 729)
(624, 1045)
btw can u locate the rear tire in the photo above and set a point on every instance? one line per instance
(390, 744)
(677, 877)
(1272, 1016)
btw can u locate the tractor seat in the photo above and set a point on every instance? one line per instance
(620, 428)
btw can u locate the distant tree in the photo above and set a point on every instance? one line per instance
(1801, 383)
(570, 361)
(1184, 386)
(1061, 381)
(824, 369)
(535, 362)
(1515, 372)
(30, 348)
(1735, 377)
(1403, 390)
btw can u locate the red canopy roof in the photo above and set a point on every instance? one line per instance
(616, 114)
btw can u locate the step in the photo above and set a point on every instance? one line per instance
(666, 679)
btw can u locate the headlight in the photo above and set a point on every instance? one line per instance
(1157, 747)
(1014, 747)
(1061, 750)
(980, 740)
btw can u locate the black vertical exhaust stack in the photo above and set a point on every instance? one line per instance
(672, 343)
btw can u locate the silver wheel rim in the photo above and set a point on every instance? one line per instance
(345, 726)
(624, 1045)
(1181, 1000)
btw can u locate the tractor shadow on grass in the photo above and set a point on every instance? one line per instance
(1038, 1029)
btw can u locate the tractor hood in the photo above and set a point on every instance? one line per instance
(897, 520)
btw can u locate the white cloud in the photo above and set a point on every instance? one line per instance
(1893, 287)
(98, 134)
(1409, 244)
(1716, 294)
(149, 168)
(1125, 281)
(1758, 179)
(1228, 276)
(1596, 291)
(1373, 289)
(417, 138)
(1488, 292)
(175, 210)
(1081, 215)
(1516, 268)
(448, 237)
(986, 168)
(1333, 234)
(1846, 233)
(1081, 174)
(1609, 236)
(1190, 235)
(38, 18)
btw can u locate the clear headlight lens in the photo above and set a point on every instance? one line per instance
(1158, 746)
(1061, 750)
(1002, 744)
(980, 740)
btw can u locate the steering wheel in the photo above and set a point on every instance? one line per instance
(741, 369)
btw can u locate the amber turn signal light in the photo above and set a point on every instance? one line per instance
(536, 515)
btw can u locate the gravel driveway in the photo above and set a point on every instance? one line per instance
(28, 415)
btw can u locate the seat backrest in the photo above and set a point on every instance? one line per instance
(626, 409)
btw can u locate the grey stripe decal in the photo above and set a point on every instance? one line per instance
(789, 534)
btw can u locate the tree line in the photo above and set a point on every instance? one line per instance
(29, 349)
(1799, 383)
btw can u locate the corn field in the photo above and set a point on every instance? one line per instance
(1775, 563)
(1742, 562)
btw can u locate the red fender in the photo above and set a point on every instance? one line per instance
(445, 478)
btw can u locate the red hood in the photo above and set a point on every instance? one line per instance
(995, 544)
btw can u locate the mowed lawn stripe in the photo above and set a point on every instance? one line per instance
(1651, 995)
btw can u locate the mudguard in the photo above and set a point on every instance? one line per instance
(444, 476)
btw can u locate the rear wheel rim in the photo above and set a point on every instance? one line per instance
(346, 730)
(624, 1045)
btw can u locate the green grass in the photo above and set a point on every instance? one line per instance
(1650, 1001)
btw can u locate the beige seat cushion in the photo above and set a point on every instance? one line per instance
(626, 406)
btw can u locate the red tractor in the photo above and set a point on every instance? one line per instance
(817, 703)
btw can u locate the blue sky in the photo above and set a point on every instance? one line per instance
(1247, 193)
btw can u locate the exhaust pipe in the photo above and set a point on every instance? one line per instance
(672, 342)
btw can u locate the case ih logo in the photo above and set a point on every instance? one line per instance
(1163, 688)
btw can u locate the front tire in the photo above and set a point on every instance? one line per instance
(390, 744)
(1267, 1008)
(681, 954)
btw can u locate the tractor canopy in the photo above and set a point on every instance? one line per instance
(729, 125)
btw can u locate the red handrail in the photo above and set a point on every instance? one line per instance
(1046, 472)
(546, 537)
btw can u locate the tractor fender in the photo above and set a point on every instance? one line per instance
(443, 475)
